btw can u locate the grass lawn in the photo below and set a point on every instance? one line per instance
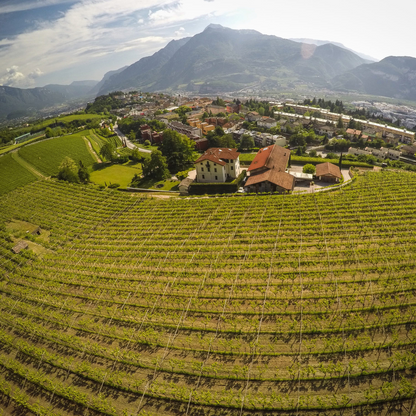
(142, 146)
(122, 174)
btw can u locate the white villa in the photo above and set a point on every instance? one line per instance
(217, 165)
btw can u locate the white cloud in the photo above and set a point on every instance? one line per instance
(113, 30)
(89, 29)
(15, 78)
(30, 5)
(181, 33)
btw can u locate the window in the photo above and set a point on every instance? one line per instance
(232, 168)
(201, 163)
(203, 176)
(202, 169)
(216, 178)
(215, 169)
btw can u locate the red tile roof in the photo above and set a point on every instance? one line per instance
(324, 169)
(354, 132)
(279, 178)
(216, 154)
(270, 157)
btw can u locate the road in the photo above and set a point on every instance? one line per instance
(129, 144)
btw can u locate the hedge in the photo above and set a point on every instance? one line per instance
(212, 188)
(248, 158)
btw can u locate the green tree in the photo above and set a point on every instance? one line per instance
(68, 170)
(247, 142)
(309, 168)
(48, 132)
(340, 124)
(107, 151)
(313, 153)
(135, 155)
(178, 150)
(297, 139)
(156, 166)
(83, 174)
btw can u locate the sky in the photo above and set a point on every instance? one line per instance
(59, 41)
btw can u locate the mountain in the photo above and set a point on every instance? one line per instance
(394, 76)
(142, 73)
(340, 45)
(223, 59)
(96, 89)
(76, 89)
(23, 101)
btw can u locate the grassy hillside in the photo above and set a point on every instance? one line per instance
(277, 305)
(13, 175)
(47, 155)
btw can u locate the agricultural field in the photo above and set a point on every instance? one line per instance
(46, 156)
(13, 175)
(277, 305)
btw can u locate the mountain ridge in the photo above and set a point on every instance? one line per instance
(221, 58)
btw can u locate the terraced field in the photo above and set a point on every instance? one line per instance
(278, 305)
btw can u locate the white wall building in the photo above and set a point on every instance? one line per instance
(217, 165)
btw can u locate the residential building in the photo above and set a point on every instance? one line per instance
(267, 122)
(379, 153)
(253, 116)
(409, 150)
(357, 152)
(267, 172)
(193, 133)
(393, 154)
(215, 109)
(328, 172)
(217, 165)
(354, 134)
(201, 144)
(328, 130)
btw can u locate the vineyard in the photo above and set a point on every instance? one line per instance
(13, 175)
(277, 305)
(46, 156)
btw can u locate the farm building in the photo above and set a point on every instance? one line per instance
(268, 171)
(21, 245)
(184, 186)
(270, 181)
(217, 165)
(328, 172)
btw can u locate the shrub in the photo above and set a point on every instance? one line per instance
(309, 168)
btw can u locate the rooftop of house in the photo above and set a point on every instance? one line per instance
(270, 157)
(216, 154)
(354, 132)
(268, 120)
(279, 178)
(409, 148)
(323, 169)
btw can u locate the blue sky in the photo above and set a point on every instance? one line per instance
(60, 41)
